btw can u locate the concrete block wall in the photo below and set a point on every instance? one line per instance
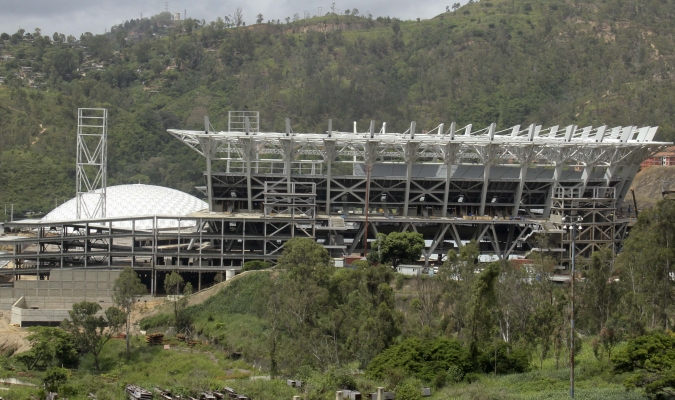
(64, 287)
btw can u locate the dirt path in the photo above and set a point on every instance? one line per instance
(12, 336)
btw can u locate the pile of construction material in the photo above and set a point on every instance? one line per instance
(154, 339)
(138, 393)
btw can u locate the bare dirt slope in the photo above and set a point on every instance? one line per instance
(12, 337)
(647, 185)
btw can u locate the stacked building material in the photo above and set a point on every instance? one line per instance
(154, 339)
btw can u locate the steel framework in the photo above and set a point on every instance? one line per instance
(91, 162)
(499, 188)
(451, 184)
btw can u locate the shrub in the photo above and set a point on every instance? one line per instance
(508, 360)
(409, 389)
(420, 359)
(255, 265)
(55, 377)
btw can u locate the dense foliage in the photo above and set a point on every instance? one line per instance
(651, 360)
(553, 62)
(423, 359)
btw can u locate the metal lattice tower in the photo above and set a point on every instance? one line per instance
(92, 160)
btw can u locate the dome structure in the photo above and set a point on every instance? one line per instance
(136, 200)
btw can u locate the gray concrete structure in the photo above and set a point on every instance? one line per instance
(63, 288)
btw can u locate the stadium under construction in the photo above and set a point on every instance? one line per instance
(450, 184)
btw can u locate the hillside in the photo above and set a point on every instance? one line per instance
(510, 62)
(648, 183)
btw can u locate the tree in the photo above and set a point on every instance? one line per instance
(651, 361)
(174, 286)
(238, 18)
(483, 299)
(600, 294)
(49, 346)
(259, 19)
(455, 6)
(92, 331)
(305, 260)
(126, 291)
(645, 266)
(355, 12)
(399, 247)
(396, 26)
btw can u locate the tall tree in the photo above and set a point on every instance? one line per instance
(645, 266)
(174, 285)
(126, 291)
(92, 331)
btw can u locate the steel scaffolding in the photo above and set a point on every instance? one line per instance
(91, 162)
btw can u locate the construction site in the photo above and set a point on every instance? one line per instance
(505, 189)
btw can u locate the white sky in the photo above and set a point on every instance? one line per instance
(73, 17)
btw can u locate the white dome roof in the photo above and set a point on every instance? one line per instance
(135, 201)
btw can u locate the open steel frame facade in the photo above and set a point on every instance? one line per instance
(341, 189)
(450, 184)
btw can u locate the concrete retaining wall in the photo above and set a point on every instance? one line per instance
(64, 287)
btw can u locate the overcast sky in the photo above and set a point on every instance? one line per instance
(73, 17)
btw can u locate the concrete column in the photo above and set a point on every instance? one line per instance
(209, 182)
(556, 178)
(486, 180)
(380, 393)
(519, 190)
(338, 395)
(229, 274)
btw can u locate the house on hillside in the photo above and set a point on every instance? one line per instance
(665, 157)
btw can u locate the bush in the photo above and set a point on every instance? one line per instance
(55, 377)
(508, 360)
(156, 321)
(420, 359)
(255, 265)
(400, 280)
(410, 389)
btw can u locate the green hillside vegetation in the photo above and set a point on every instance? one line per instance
(474, 330)
(553, 62)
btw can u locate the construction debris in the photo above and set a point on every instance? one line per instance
(138, 393)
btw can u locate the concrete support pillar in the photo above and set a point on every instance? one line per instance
(486, 181)
(338, 395)
(411, 156)
(229, 274)
(519, 190)
(556, 178)
(380, 393)
(209, 181)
